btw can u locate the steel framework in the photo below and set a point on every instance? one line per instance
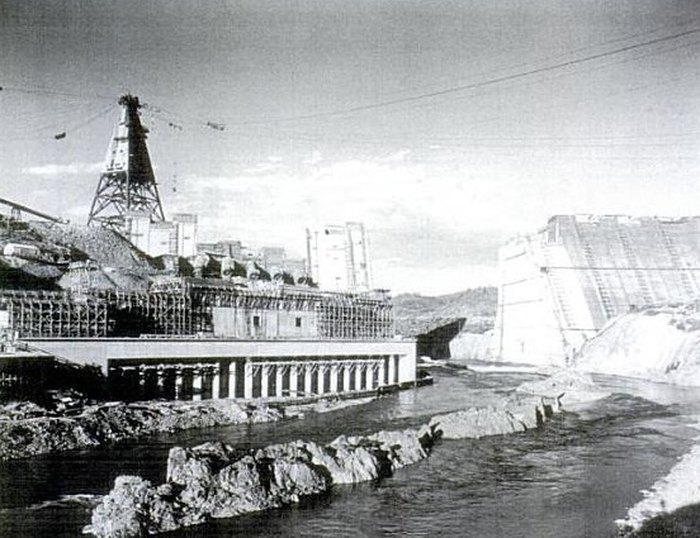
(55, 314)
(127, 183)
(182, 307)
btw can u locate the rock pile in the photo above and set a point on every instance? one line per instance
(659, 344)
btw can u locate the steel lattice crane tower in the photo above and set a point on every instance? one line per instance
(127, 183)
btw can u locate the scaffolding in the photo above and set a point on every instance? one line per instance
(55, 314)
(362, 320)
(363, 316)
(184, 306)
(165, 313)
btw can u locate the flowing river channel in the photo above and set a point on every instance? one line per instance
(573, 478)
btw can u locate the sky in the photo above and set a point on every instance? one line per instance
(445, 126)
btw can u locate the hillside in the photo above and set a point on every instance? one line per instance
(417, 313)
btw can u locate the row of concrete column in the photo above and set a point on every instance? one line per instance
(248, 379)
(282, 380)
(173, 382)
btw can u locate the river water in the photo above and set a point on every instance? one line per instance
(573, 478)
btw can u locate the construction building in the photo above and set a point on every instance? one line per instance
(339, 257)
(230, 248)
(194, 338)
(560, 286)
(160, 237)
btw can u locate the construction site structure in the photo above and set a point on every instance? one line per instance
(153, 331)
(177, 237)
(339, 258)
(190, 338)
(203, 307)
(562, 285)
(127, 183)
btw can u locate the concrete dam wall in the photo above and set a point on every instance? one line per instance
(560, 286)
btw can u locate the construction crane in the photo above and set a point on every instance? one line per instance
(127, 183)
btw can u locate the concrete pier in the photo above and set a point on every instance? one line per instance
(197, 383)
(293, 381)
(232, 380)
(307, 380)
(248, 381)
(255, 375)
(347, 372)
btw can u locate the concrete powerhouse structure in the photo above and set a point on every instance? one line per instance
(209, 338)
(560, 286)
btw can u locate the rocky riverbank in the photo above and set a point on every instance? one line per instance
(215, 480)
(28, 430)
(679, 489)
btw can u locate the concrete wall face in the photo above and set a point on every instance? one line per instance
(160, 240)
(562, 285)
(218, 368)
(230, 322)
(526, 326)
(186, 232)
(339, 257)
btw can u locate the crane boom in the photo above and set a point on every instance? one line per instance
(26, 209)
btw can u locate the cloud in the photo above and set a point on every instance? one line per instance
(263, 168)
(51, 170)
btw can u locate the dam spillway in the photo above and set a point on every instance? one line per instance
(560, 286)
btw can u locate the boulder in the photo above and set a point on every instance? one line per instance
(401, 447)
(476, 422)
(565, 386)
(133, 508)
